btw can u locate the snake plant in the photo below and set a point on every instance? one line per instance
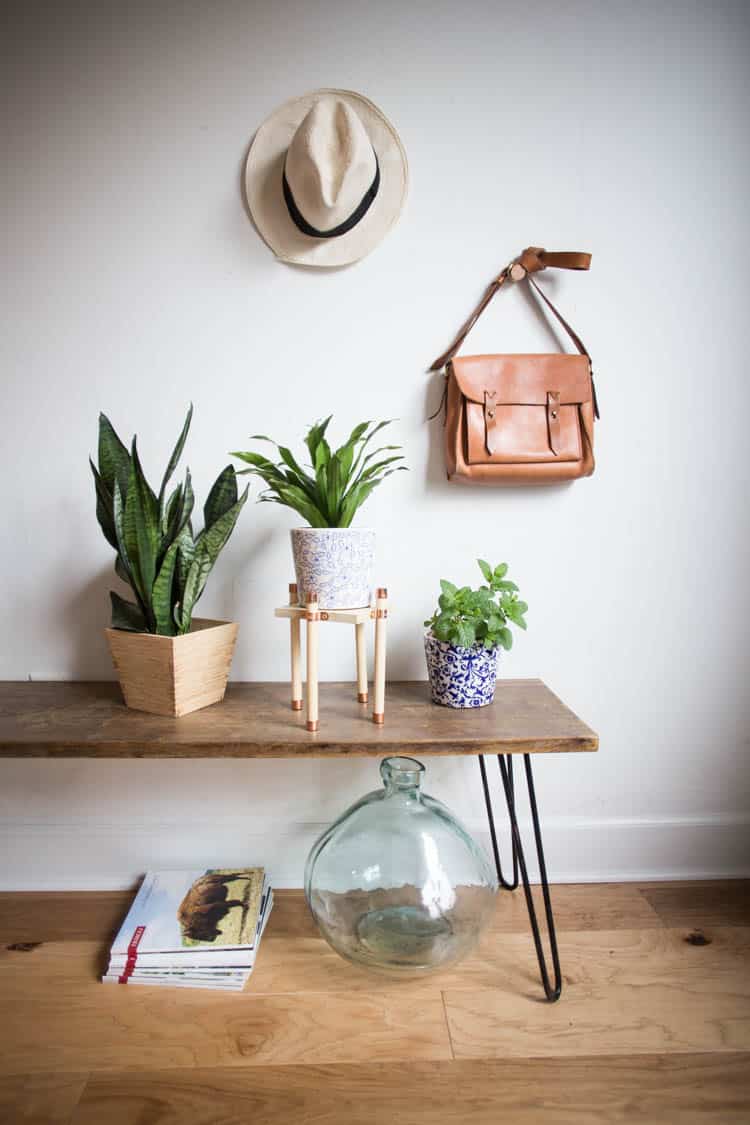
(340, 481)
(158, 555)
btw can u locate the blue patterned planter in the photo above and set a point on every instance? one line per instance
(460, 677)
(334, 563)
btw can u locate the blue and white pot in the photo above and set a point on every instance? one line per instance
(335, 563)
(460, 677)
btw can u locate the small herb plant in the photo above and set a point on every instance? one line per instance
(158, 555)
(468, 617)
(339, 481)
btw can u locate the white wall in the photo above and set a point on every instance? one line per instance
(136, 283)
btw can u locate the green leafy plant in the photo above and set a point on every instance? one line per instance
(158, 555)
(468, 617)
(340, 480)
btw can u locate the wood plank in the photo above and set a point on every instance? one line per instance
(684, 1090)
(63, 1019)
(604, 959)
(698, 905)
(507, 962)
(41, 916)
(39, 1099)
(647, 994)
(90, 720)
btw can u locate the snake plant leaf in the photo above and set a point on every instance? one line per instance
(170, 519)
(121, 571)
(169, 524)
(206, 553)
(196, 580)
(142, 510)
(161, 595)
(221, 497)
(176, 454)
(185, 556)
(118, 508)
(188, 503)
(104, 510)
(126, 615)
(114, 459)
(214, 537)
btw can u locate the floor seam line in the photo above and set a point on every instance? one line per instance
(447, 1025)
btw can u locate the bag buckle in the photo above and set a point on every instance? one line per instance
(489, 405)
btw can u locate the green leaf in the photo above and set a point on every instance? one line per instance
(118, 509)
(104, 507)
(121, 571)
(142, 507)
(185, 556)
(505, 638)
(186, 509)
(465, 634)
(446, 602)
(176, 454)
(162, 594)
(448, 587)
(443, 627)
(500, 571)
(126, 615)
(486, 569)
(114, 459)
(315, 436)
(221, 497)
(215, 536)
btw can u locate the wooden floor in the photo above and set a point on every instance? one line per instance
(653, 1024)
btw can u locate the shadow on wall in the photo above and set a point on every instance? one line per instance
(85, 617)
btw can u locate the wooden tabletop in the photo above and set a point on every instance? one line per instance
(89, 720)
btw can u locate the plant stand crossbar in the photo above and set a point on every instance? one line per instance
(505, 762)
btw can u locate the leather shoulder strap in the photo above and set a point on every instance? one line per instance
(532, 260)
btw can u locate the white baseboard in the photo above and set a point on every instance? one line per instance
(84, 854)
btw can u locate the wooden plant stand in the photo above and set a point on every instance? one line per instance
(312, 616)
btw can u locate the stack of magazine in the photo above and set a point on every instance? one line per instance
(193, 929)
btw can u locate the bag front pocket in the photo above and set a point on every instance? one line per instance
(523, 409)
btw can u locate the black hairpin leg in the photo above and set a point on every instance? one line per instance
(509, 886)
(552, 991)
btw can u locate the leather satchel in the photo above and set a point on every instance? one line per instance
(520, 419)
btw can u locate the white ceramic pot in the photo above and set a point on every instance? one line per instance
(335, 563)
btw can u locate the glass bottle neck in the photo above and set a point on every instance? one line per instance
(402, 776)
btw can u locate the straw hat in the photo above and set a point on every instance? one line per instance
(326, 178)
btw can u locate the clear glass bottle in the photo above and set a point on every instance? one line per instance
(397, 884)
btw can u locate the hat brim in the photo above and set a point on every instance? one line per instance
(263, 175)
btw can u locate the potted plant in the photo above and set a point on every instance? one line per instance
(465, 634)
(331, 559)
(168, 662)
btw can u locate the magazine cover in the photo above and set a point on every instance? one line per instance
(180, 911)
(233, 963)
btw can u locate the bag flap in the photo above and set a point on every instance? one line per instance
(523, 379)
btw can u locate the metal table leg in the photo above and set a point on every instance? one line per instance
(505, 762)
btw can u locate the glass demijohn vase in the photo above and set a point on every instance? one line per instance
(397, 884)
